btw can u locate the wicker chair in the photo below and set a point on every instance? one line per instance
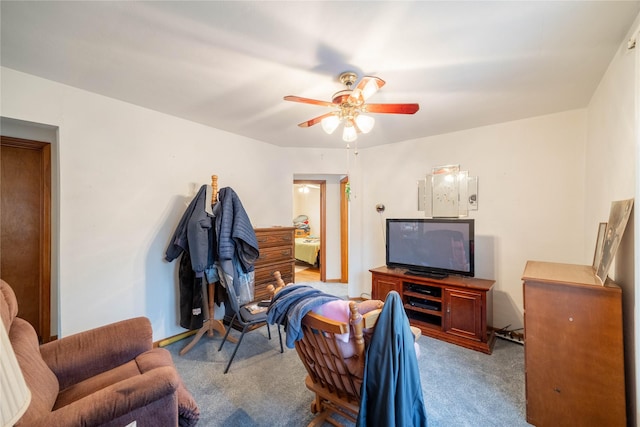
(335, 368)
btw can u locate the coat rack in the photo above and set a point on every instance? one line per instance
(210, 324)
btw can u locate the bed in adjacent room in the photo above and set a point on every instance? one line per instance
(307, 250)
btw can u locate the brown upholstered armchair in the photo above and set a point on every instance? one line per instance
(108, 376)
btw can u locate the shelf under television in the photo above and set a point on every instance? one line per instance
(422, 296)
(410, 307)
(423, 325)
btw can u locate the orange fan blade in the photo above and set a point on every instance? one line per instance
(367, 87)
(316, 120)
(294, 98)
(391, 108)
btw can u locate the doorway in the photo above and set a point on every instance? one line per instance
(25, 224)
(323, 198)
(310, 221)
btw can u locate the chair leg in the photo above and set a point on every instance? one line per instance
(227, 333)
(280, 338)
(235, 349)
(268, 331)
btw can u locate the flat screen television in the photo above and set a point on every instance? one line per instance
(433, 247)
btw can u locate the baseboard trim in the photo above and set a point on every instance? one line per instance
(175, 338)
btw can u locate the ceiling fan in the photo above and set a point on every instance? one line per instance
(351, 107)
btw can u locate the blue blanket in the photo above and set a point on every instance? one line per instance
(290, 305)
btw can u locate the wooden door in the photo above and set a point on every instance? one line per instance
(381, 286)
(463, 315)
(25, 228)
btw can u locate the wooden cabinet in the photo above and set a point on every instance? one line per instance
(464, 317)
(574, 356)
(454, 309)
(381, 285)
(276, 254)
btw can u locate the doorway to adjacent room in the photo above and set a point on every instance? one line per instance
(320, 214)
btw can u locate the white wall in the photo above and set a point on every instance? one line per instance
(613, 142)
(531, 197)
(308, 204)
(126, 174)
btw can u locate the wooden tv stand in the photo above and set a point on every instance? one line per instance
(455, 309)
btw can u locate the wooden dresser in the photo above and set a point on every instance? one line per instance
(574, 351)
(276, 254)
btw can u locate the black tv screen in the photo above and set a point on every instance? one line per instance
(434, 247)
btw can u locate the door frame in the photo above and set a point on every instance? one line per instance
(44, 148)
(323, 222)
(344, 227)
(344, 230)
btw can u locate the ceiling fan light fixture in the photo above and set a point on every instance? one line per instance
(349, 134)
(348, 104)
(329, 124)
(365, 123)
(369, 89)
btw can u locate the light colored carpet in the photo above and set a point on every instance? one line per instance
(461, 387)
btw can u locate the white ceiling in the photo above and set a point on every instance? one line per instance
(228, 64)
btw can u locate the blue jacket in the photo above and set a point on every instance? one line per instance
(200, 238)
(194, 234)
(391, 393)
(235, 234)
(236, 247)
(193, 239)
